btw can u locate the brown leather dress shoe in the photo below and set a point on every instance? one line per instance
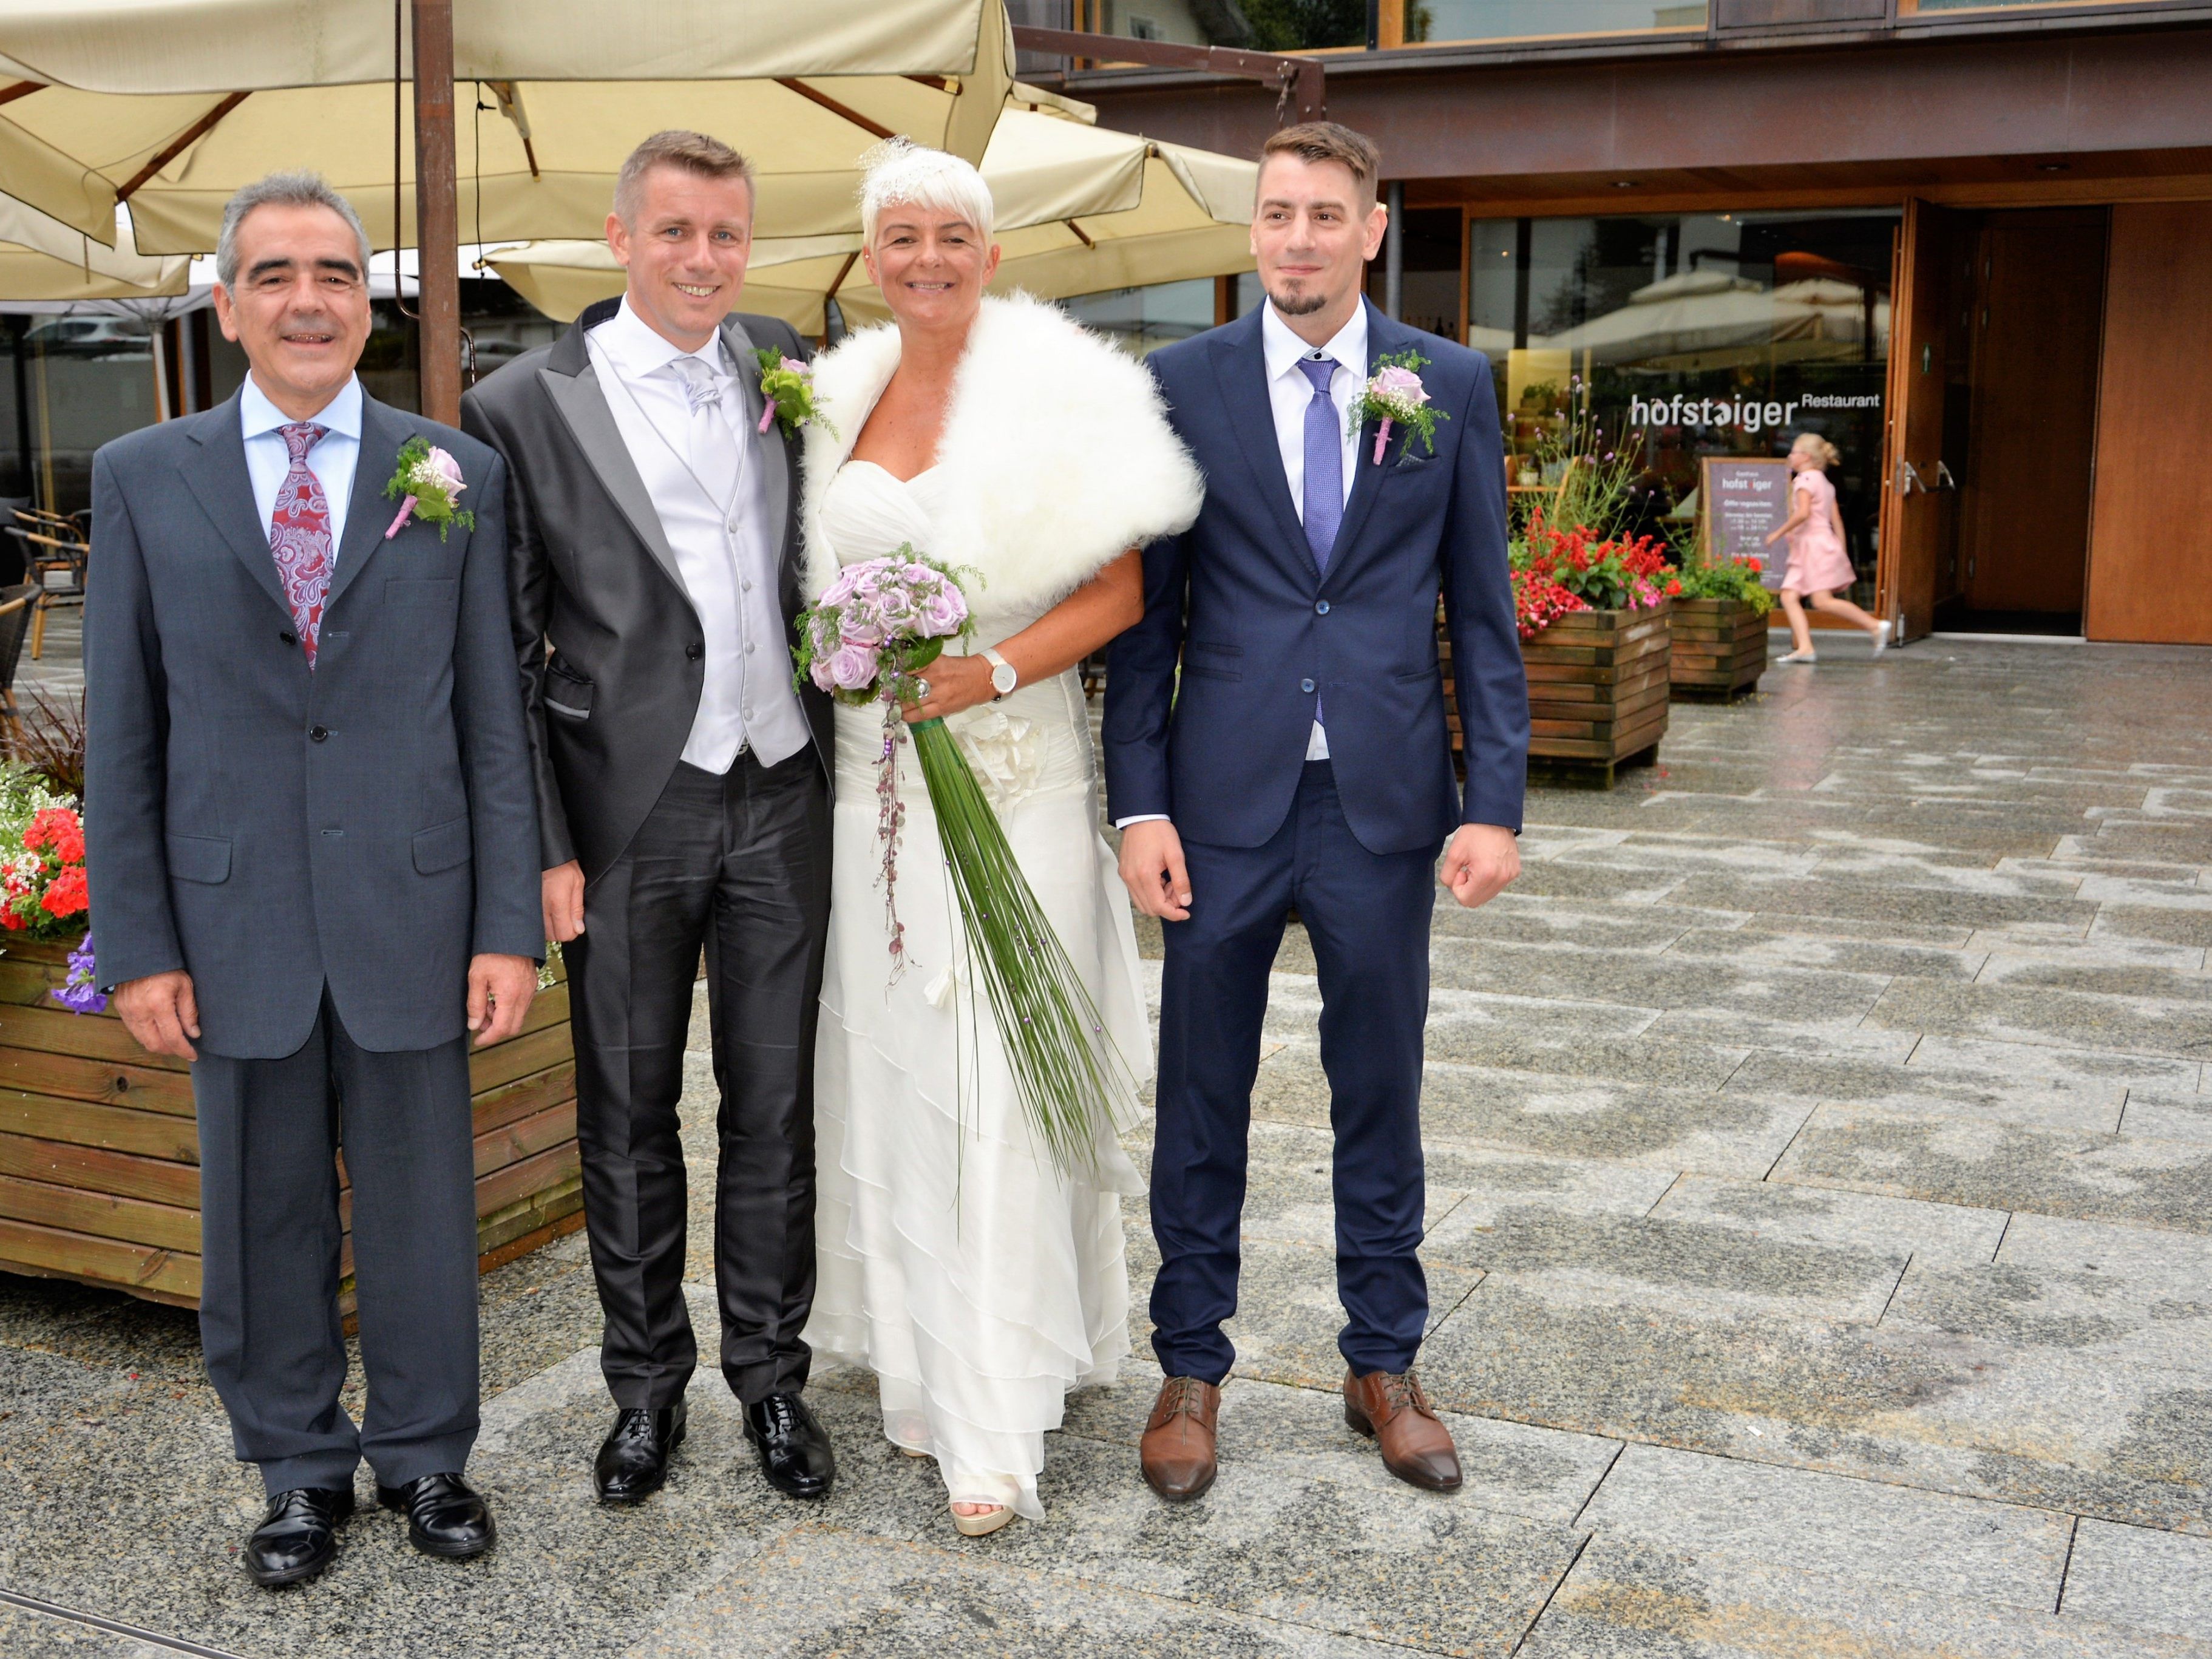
(1177, 1450)
(1392, 1411)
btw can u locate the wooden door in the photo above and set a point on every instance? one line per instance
(2037, 305)
(1917, 510)
(2150, 555)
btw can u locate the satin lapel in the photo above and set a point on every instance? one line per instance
(583, 405)
(1383, 336)
(217, 477)
(1240, 370)
(368, 515)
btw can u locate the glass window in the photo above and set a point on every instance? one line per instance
(1682, 336)
(1143, 319)
(87, 379)
(1256, 25)
(1429, 247)
(1908, 7)
(1516, 19)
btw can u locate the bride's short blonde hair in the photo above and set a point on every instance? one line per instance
(903, 173)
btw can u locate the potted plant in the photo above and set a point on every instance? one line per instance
(1719, 625)
(99, 1152)
(1595, 640)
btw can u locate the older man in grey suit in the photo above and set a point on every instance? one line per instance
(312, 843)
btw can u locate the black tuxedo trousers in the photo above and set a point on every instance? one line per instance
(737, 864)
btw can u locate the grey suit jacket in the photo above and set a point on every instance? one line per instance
(272, 828)
(612, 654)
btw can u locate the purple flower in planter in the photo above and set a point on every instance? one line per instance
(80, 994)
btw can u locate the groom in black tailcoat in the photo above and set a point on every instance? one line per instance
(682, 795)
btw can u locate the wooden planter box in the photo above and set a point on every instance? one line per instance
(1597, 693)
(100, 1153)
(1720, 648)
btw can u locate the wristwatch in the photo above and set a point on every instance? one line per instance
(1002, 677)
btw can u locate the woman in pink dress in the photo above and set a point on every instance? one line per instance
(1820, 571)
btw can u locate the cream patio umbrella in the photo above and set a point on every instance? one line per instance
(1184, 213)
(171, 105)
(1709, 319)
(44, 260)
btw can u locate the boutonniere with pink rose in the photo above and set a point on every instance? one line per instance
(430, 481)
(788, 393)
(1395, 396)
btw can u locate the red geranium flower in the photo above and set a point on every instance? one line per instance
(67, 894)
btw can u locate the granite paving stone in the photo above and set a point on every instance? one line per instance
(1893, 1535)
(820, 1591)
(2010, 1013)
(28, 1635)
(1894, 1227)
(2167, 1117)
(1631, 1599)
(1320, 1542)
(2057, 1102)
(2161, 1183)
(2140, 1576)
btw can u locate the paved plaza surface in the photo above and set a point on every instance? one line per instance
(1819, 1160)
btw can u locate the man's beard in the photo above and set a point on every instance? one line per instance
(1298, 305)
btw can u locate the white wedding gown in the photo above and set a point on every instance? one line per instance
(955, 1260)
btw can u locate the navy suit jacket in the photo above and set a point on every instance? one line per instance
(1258, 629)
(367, 824)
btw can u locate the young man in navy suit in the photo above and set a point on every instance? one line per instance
(1275, 737)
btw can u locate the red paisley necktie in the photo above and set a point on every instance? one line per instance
(300, 535)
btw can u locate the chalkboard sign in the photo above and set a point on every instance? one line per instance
(1746, 500)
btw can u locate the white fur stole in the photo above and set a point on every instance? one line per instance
(1056, 456)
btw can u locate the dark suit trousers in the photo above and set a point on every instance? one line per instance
(740, 866)
(1368, 917)
(269, 1231)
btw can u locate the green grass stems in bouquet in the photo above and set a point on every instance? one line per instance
(865, 641)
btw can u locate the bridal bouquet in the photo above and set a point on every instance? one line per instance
(865, 641)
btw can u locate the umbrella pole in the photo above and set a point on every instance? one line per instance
(437, 212)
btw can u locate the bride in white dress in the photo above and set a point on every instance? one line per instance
(977, 1281)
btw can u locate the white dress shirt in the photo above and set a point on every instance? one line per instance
(332, 460)
(726, 551)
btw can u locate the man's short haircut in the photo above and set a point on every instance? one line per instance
(1326, 141)
(297, 189)
(693, 152)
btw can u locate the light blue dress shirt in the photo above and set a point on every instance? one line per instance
(332, 460)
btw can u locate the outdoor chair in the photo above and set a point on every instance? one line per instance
(57, 551)
(17, 605)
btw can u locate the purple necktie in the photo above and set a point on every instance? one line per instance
(1324, 485)
(1324, 488)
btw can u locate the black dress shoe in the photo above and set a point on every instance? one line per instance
(794, 1452)
(299, 1535)
(446, 1515)
(633, 1461)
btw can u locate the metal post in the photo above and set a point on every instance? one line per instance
(20, 328)
(188, 363)
(1394, 255)
(160, 370)
(437, 212)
